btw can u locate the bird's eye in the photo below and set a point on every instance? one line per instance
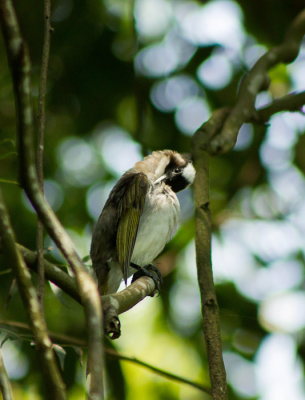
(177, 170)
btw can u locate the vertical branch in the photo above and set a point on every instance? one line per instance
(210, 311)
(5, 385)
(19, 62)
(55, 387)
(40, 144)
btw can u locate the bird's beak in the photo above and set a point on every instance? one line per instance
(162, 178)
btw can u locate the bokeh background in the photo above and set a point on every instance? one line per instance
(130, 77)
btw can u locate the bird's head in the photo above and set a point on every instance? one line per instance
(175, 171)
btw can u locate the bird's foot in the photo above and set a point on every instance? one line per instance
(151, 271)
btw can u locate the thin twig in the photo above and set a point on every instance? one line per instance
(118, 356)
(5, 385)
(51, 374)
(65, 340)
(19, 62)
(7, 181)
(6, 271)
(40, 144)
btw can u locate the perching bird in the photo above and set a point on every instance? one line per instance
(139, 218)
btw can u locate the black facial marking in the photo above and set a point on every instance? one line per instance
(177, 183)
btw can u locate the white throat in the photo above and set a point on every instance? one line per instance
(189, 173)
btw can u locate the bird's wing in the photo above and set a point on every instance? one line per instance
(130, 208)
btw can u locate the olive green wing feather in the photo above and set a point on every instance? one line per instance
(130, 208)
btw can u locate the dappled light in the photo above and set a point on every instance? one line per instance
(166, 95)
(216, 72)
(185, 311)
(161, 59)
(241, 375)
(244, 138)
(252, 53)
(284, 312)
(279, 371)
(79, 164)
(191, 113)
(216, 22)
(153, 17)
(53, 193)
(97, 196)
(117, 149)
(17, 362)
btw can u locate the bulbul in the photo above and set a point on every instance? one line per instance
(139, 218)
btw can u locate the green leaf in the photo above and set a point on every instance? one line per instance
(61, 354)
(86, 258)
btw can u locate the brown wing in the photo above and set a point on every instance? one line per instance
(130, 208)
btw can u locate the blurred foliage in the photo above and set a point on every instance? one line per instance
(101, 117)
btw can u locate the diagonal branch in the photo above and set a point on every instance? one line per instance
(113, 304)
(19, 62)
(161, 372)
(52, 377)
(52, 273)
(255, 81)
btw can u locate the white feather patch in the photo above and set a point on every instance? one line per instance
(189, 173)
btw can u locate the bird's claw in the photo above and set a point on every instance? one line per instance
(151, 271)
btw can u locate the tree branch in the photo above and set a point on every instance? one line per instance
(256, 80)
(113, 304)
(54, 384)
(5, 385)
(40, 144)
(65, 340)
(292, 102)
(52, 273)
(117, 303)
(210, 310)
(19, 63)
(218, 135)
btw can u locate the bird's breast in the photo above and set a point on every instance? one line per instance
(157, 224)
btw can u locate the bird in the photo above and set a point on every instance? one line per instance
(139, 217)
